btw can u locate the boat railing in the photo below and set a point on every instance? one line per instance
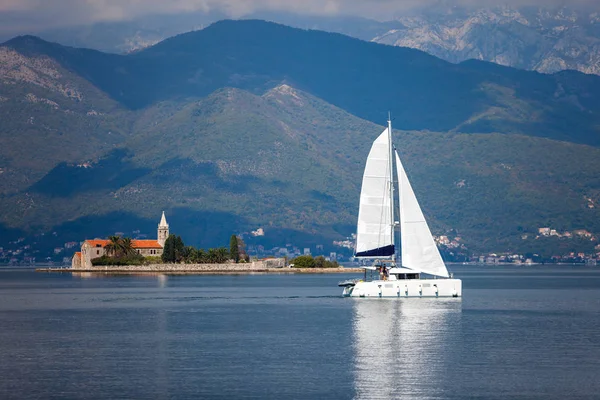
(349, 282)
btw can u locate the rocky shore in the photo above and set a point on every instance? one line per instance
(199, 269)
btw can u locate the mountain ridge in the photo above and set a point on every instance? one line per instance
(460, 181)
(546, 39)
(533, 38)
(260, 150)
(427, 93)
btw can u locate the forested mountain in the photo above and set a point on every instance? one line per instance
(359, 77)
(250, 124)
(544, 39)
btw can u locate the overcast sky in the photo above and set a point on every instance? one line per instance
(34, 15)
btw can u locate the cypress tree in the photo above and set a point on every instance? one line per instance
(168, 255)
(242, 255)
(234, 251)
(179, 249)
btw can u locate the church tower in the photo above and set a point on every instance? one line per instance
(163, 230)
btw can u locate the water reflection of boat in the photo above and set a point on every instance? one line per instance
(403, 349)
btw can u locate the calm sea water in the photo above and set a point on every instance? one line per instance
(523, 332)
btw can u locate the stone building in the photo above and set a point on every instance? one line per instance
(163, 231)
(94, 248)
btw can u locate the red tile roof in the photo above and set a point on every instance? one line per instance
(78, 254)
(137, 244)
(146, 244)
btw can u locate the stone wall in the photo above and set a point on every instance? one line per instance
(251, 266)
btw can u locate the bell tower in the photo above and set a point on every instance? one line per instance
(163, 230)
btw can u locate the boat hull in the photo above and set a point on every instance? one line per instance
(405, 288)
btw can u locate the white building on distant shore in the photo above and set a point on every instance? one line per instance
(94, 248)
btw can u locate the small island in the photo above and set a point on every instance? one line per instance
(169, 254)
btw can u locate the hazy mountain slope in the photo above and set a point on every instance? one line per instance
(533, 38)
(273, 161)
(362, 78)
(296, 161)
(276, 156)
(128, 36)
(494, 188)
(292, 164)
(49, 114)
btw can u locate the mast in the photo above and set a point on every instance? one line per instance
(392, 227)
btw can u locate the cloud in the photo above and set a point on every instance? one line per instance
(35, 15)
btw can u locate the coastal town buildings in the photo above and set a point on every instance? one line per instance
(544, 231)
(91, 249)
(585, 248)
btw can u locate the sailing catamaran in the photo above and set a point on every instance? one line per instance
(422, 272)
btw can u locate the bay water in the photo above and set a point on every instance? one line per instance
(519, 332)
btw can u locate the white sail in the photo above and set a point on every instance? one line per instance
(419, 251)
(374, 230)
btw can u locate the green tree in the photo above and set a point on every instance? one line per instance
(127, 247)
(179, 247)
(234, 250)
(114, 248)
(320, 262)
(218, 256)
(120, 251)
(189, 254)
(222, 255)
(168, 254)
(133, 259)
(310, 262)
(243, 255)
(201, 256)
(304, 262)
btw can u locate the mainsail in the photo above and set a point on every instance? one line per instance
(419, 251)
(374, 230)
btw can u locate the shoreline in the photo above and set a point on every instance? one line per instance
(195, 270)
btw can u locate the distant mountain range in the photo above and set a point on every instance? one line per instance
(249, 124)
(533, 38)
(360, 77)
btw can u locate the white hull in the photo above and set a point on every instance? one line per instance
(406, 288)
